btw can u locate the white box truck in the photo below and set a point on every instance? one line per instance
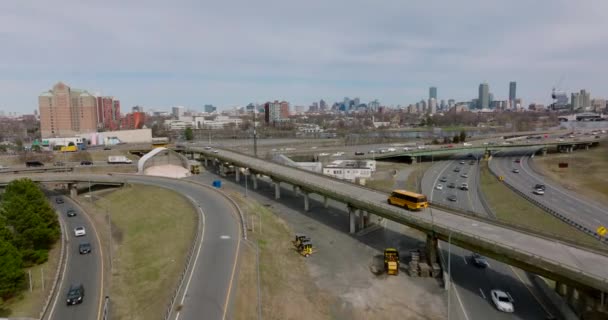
(119, 159)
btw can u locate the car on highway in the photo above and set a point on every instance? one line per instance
(479, 261)
(58, 200)
(323, 154)
(443, 179)
(502, 300)
(451, 185)
(391, 149)
(207, 148)
(439, 187)
(75, 294)
(71, 213)
(84, 248)
(464, 186)
(461, 161)
(406, 149)
(539, 186)
(464, 175)
(539, 192)
(457, 169)
(79, 231)
(86, 163)
(359, 153)
(452, 198)
(107, 148)
(216, 151)
(517, 161)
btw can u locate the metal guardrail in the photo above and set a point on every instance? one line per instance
(106, 308)
(37, 170)
(381, 208)
(552, 212)
(188, 260)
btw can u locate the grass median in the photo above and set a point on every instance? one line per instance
(287, 289)
(152, 232)
(511, 208)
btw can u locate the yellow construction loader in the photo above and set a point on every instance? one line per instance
(303, 245)
(391, 261)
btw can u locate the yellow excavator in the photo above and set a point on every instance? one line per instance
(391, 261)
(303, 245)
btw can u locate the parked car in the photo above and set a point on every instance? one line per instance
(502, 301)
(84, 248)
(71, 213)
(75, 294)
(79, 231)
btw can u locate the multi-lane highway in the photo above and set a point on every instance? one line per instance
(85, 269)
(473, 284)
(578, 208)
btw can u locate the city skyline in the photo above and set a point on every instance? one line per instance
(254, 58)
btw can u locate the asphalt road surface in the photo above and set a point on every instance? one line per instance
(586, 212)
(473, 284)
(83, 269)
(206, 292)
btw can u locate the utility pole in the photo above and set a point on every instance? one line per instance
(255, 137)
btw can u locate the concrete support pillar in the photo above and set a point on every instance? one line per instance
(352, 217)
(431, 248)
(306, 201)
(205, 159)
(277, 189)
(73, 190)
(361, 215)
(254, 179)
(571, 149)
(560, 288)
(296, 190)
(413, 159)
(325, 202)
(587, 147)
(237, 174)
(544, 152)
(221, 168)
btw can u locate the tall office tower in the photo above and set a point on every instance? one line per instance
(575, 101)
(433, 93)
(65, 112)
(285, 112)
(432, 106)
(512, 90)
(585, 99)
(484, 96)
(322, 105)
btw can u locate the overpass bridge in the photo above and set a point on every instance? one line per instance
(566, 146)
(567, 263)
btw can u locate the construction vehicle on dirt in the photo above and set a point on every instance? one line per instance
(303, 245)
(391, 261)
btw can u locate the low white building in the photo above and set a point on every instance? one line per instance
(350, 170)
(178, 124)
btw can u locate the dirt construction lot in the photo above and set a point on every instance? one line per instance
(336, 282)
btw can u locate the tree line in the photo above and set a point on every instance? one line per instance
(28, 229)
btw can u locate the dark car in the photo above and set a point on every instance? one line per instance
(84, 248)
(30, 164)
(107, 148)
(451, 185)
(452, 197)
(517, 160)
(58, 200)
(539, 187)
(71, 213)
(479, 261)
(457, 169)
(75, 294)
(86, 163)
(358, 153)
(443, 179)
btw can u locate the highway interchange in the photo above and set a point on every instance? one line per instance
(472, 285)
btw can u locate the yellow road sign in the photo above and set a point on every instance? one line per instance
(601, 230)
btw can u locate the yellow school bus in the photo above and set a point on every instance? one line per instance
(407, 199)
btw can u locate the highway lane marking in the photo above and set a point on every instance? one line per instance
(482, 294)
(198, 251)
(101, 286)
(542, 305)
(464, 311)
(64, 268)
(236, 257)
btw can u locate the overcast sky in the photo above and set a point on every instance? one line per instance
(227, 53)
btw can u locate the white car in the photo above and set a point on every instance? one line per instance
(406, 149)
(502, 301)
(323, 154)
(79, 231)
(539, 192)
(207, 148)
(391, 149)
(421, 147)
(215, 151)
(439, 187)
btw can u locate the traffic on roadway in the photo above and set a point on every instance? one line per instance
(80, 293)
(474, 276)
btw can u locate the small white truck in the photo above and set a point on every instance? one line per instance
(118, 160)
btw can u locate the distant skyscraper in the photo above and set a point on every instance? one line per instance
(432, 106)
(585, 99)
(451, 103)
(490, 98)
(322, 105)
(433, 93)
(177, 111)
(484, 96)
(209, 108)
(512, 90)
(576, 102)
